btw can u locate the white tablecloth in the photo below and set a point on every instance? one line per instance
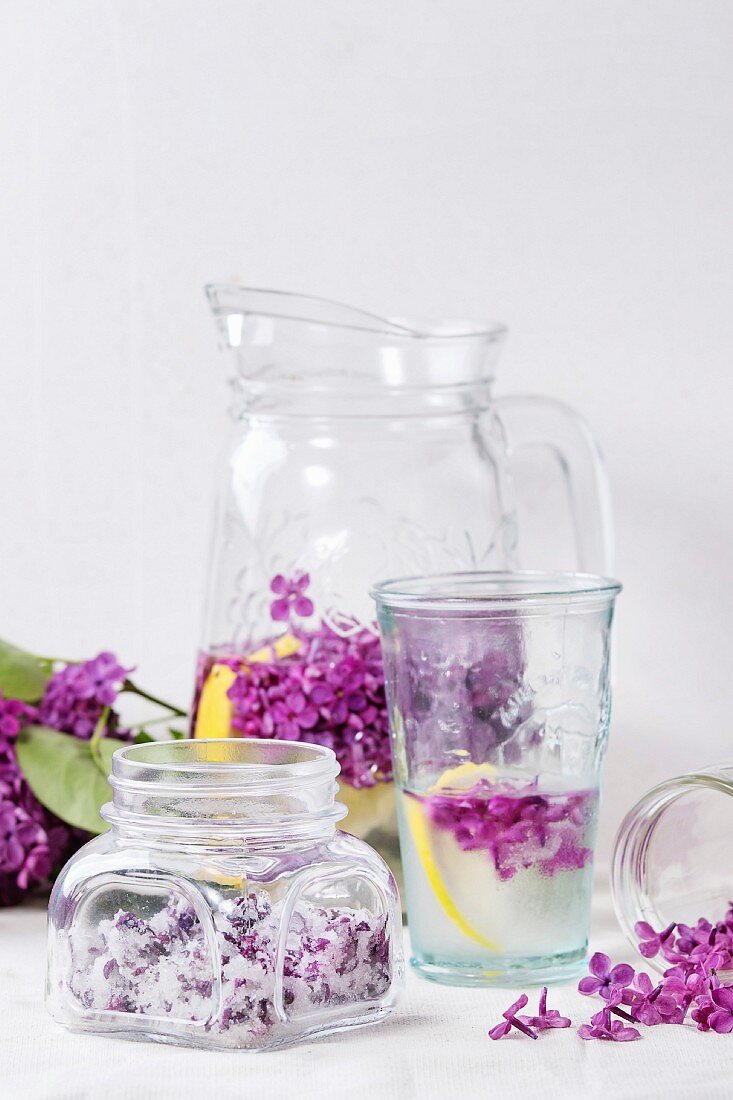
(435, 1045)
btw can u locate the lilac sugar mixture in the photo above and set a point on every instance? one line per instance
(161, 966)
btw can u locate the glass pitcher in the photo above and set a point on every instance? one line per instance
(364, 448)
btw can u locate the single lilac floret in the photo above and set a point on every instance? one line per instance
(546, 1018)
(512, 1020)
(651, 942)
(604, 977)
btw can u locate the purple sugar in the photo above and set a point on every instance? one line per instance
(161, 966)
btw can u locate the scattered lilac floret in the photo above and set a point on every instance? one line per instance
(602, 1026)
(721, 1018)
(512, 1020)
(545, 1019)
(603, 977)
(651, 942)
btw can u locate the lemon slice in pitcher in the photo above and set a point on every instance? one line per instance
(214, 714)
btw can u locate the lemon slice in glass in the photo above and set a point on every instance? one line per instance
(463, 776)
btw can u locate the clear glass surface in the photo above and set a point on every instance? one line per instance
(671, 858)
(364, 447)
(222, 908)
(499, 705)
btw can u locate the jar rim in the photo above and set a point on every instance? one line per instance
(493, 589)
(234, 761)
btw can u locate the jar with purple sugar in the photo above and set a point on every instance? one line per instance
(223, 908)
(499, 703)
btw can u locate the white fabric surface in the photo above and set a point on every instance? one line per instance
(435, 1045)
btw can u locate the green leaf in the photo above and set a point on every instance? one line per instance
(64, 776)
(22, 675)
(142, 738)
(177, 735)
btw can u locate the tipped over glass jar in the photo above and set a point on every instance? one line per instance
(223, 908)
(671, 862)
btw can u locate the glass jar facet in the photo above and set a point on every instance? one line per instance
(223, 909)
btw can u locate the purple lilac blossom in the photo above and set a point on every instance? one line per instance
(332, 691)
(546, 1019)
(516, 826)
(512, 1020)
(693, 985)
(475, 673)
(602, 1026)
(650, 1004)
(292, 599)
(76, 695)
(651, 942)
(33, 841)
(162, 966)
(700, 954)
(603, 977)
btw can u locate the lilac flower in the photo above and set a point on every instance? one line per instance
(691, 936)
(500, 1030)
(76, 695)
(650, 1004)
(331, 692)
(291, 597)
(545, 1018)
(13, 713)
(516, 826)
(30, 844)
(32, 840)
(651, 942)
(704, 1009)
(601, 1026)
(721, 1019)
(603, 977)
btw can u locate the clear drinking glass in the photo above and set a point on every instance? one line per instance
(223, 908)
(499, 702)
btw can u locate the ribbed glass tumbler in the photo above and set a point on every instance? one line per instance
(499, 701)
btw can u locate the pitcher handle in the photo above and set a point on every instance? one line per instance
(530, 421)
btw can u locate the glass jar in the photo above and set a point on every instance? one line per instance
(671, 859)
(363, 448)
(223, 908)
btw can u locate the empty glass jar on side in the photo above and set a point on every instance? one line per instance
(223, 908)
(671, 859)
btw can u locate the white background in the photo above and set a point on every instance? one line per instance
(566, 167)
